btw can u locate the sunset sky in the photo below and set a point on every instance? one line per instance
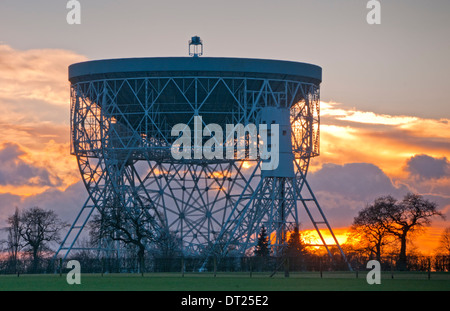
(385, 111)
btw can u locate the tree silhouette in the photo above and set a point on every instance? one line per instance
(371, 225)
(262, 248)
(295, 245)
(444, 242)
(38, 229)
(14, 241)
(388, 217)
(14, 238)
(410, 215)
(132, 225)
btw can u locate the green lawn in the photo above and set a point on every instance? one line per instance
(227, 282)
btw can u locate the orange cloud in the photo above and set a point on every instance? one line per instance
(39, 74)
(34, 100)
(349, 135)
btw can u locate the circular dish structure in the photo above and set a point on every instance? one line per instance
(123, 114)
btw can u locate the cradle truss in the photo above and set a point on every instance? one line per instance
(121, 137)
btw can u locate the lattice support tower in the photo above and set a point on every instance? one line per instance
(122, 115)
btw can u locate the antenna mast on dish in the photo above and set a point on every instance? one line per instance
(195, 46)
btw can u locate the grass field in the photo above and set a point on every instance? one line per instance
(331, 281)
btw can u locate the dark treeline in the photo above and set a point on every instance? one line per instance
(313, 263)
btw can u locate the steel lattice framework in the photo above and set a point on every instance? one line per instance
(121, 121)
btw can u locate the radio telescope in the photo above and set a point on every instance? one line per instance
(122, 115)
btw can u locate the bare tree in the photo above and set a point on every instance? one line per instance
(412, 214)
(14, 243)
(389, 218)
(371, 225)
(168, 244)
(130, 225)
(38, 229)
(444, 242)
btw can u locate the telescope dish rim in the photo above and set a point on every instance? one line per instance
(122, 68)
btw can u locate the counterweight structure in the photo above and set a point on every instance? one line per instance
(122, 115)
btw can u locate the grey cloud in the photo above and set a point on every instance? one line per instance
(358, 181)
(427, 167)
(15, 171)
(66, 203)
(342, 190)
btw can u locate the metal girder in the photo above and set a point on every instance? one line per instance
(121, 136)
